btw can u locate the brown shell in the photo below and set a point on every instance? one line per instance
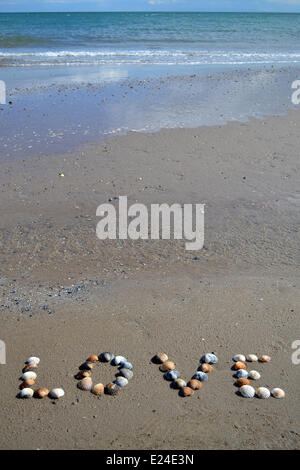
(194, 384)
(27, 383)
(186, 392)
(207, 368)
(41, 392)
(168, 365)
(240, 365)
(159, 358)
(30, 367)
(98, 389)
(92, 358)
(112, 389)
(242, 381)
(82, 374)
(264, 358)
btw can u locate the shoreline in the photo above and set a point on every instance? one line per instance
(66, 295)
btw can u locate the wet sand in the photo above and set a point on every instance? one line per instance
(65, 294)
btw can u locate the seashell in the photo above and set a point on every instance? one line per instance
(33, 360)
(159, 358)
(112, 389)
(118, 360)
(56, 393)
(28, 376)
(264, 358)
(242, 381)
(121, 381)
(86, 366)
(179, 383)
(30, 367)
(247, 391)
(254, 375)
(186, 392)
(207, 368)
(239, 357)
(98, 389)
(41, 392)
(252, 358)
(82, 374)
(172, 375)
(241, 374)
(202, 376)
(85, 384)
(27, 383)
(26, 393)
(263, 392)
(106, 357)
(278, 393)
(92, 358)
(126, 365)
(209, 358)
(194, 384)
(168, 365)
(128, 374)
(240, 365)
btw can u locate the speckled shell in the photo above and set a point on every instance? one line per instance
(207, 368)
(172, 375)
(240, 365)
(30, 367)
(117, 360)
(241, 374)
(27, 383)
(240, 382)
(251, 358)
(56, 393)
(28, 376)
(87, 366)
(126, 365)
(159, 358)
(106, 357)
(85, 384)
(263, 392)
(278, 393)
(128, 374)
(82, 374)
(98, 389)
(247, 391)
(194, 384)
(112, 389)
(168, 365)
(264, 358)
(209, 358)
(202, 376)
(179, 383)
(254, 375)
(33, 360)
(26, 393)
(186, 392)
(41, 392)
(92, 358)
(121, 381)
(239, 357)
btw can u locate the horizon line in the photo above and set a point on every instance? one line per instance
(153, 11)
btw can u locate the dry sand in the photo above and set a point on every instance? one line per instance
(65, 294)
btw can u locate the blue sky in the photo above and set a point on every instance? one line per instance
(150, 5)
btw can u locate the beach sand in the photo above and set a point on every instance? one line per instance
(66, 294)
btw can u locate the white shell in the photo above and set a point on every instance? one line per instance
(252, 358)
(119, 359)
(278, 393)
(239, 357)
(26, 393)
(254, 375)
(33, 360)
(121, 381)
(28, 376)
(247, 391)
(209, 358)
(56, 393)
(263, 392)
(241, 374)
